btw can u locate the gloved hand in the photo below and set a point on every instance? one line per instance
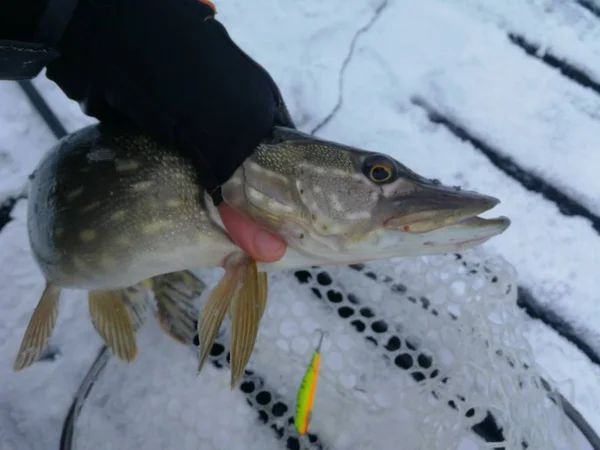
(171, 68)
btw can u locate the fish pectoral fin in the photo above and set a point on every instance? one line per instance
(247, 309)
(213, 312)
(40, 328)
(112, 320)
(263, 290)
(177, 314)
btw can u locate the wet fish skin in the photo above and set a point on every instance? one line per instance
(318, 196)
(110, 207)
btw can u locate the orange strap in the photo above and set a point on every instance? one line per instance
(210, 4)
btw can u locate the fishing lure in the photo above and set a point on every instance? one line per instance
(306, 393)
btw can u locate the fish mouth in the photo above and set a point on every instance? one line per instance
(451, 210)
(475, 230)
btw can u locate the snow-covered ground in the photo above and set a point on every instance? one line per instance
(357, 71)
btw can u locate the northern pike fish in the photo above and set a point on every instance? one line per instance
(111, 210)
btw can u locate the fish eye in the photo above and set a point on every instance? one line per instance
(380, 169)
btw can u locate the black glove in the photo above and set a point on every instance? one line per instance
(171, 68)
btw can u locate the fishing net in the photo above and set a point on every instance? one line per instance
(420, 353)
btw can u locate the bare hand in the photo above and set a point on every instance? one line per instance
(258, 243)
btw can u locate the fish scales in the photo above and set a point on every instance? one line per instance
(108, 211)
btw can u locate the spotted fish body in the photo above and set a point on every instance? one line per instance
(111, 208)
(107, 211)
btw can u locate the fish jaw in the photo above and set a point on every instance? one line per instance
(462, 235)
(429, 207)
(389, 243)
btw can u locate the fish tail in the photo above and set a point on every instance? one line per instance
(40, 328)
(247, 309)
(214, 310)
(113, 321)
(175, 293)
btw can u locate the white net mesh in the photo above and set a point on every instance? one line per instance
(426, 353)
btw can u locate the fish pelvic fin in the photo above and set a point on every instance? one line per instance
(40, 328)
(214, 310)
(247, 308)
(113, 322)
(137, 300)
(177, 314)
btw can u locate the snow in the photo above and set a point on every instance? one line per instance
(24, 137)
(34, 403)
(454, 55)
(565, 29)
(483, 90)
(571, 371)
(303, 46)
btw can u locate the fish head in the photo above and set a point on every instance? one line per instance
(334, 203)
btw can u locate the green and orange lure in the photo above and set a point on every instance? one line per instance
(306, 393)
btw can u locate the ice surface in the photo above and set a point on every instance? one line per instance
(33, 403)
(569, 370)
(564, 28)
(302, 44)
(24, 137)
(497, 91)
(456, 58)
